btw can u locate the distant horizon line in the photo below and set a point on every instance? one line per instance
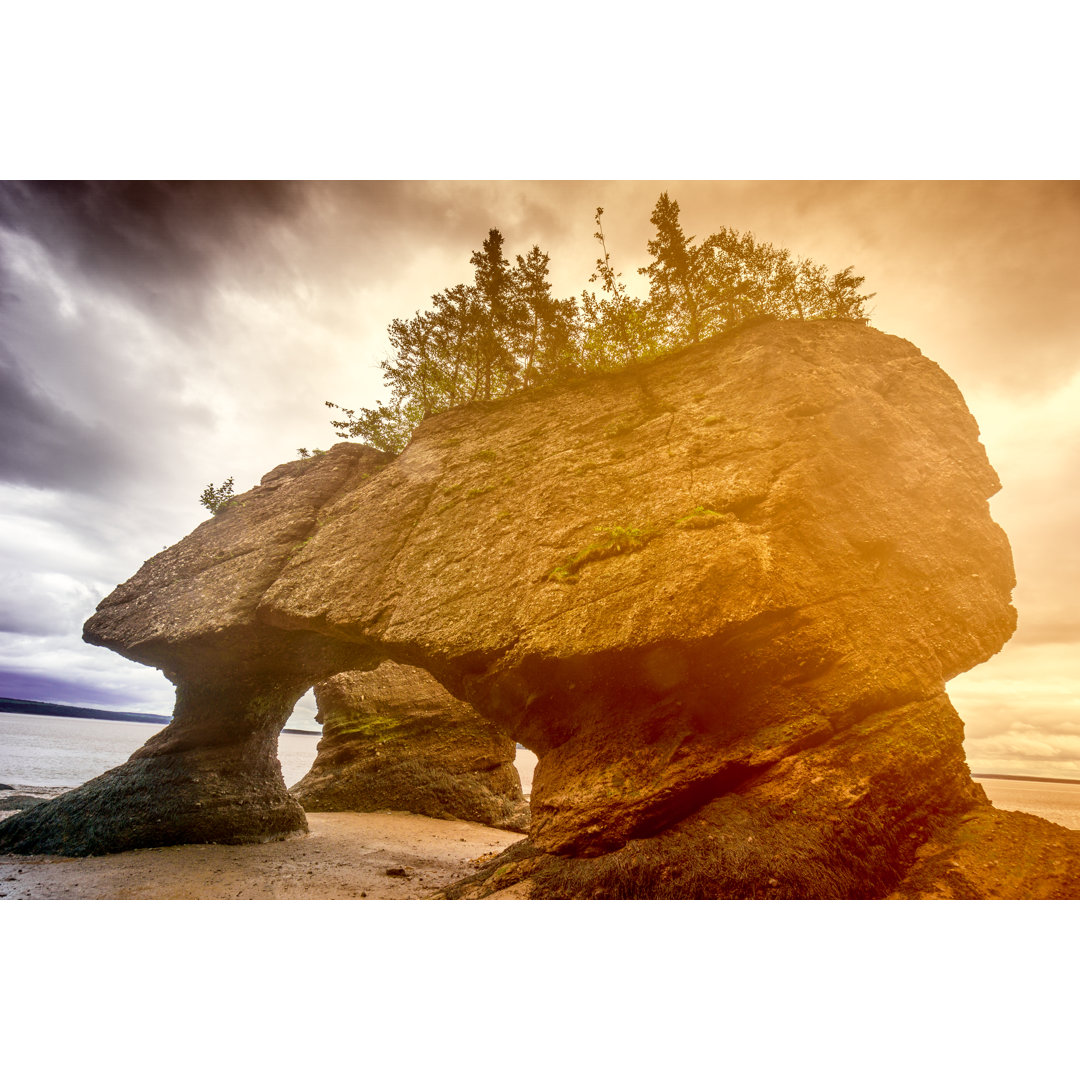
(1017, 776)
(92, 712)
(85, 712)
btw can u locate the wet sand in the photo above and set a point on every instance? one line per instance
(345, 856)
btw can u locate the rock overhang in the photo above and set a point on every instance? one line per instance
(779, 470)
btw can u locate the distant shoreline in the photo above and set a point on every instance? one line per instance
(81, 712)
(1012, 776)
(48, 708)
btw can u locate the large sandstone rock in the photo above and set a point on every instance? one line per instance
(394, 739)
(719, 595)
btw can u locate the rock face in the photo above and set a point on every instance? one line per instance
(394, 739)
(719, 595)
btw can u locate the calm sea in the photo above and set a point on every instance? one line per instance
(62, 751)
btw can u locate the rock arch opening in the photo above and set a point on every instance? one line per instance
(394, 739)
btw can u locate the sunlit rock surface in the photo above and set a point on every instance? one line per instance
(719, 595)
(394, 739)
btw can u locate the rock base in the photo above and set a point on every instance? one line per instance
(990, 855)
(994, 854)
(490, 797)
(156, 801)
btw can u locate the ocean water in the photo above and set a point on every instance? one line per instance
(1057, 802)
(63, 751)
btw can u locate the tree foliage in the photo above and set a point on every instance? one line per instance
(505, 332)
(214, 498)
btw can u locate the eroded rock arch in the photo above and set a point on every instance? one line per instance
(719, 595)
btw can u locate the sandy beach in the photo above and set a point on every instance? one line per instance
(390, 855)
(345, 856)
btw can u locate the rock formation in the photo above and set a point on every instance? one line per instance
(212, 774)
(394, 739)
(719, 595)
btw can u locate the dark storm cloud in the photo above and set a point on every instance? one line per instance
(89, 396)
(31, 687)
(162, 240)
(45, 445)
(168, 246)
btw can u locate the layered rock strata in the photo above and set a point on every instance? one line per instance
(719, 595)
(394, 739)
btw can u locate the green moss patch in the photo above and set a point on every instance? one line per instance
(610, 542)
(369, 728)
(701, 518)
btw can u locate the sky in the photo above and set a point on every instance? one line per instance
(159, 336)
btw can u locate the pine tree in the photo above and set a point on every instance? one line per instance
(676, 289)
(498, 315)
(548, 326)
(505, 331)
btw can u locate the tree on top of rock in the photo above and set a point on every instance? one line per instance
(698, 291)
(616, 329)
(677, 283)
(497, 308)
(548, 326)
(505, 332)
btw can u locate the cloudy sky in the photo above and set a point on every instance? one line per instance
(155, 337)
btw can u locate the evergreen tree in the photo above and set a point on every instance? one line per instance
(548, 326)
(676, 283)
(498, 320)
(505, 331)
